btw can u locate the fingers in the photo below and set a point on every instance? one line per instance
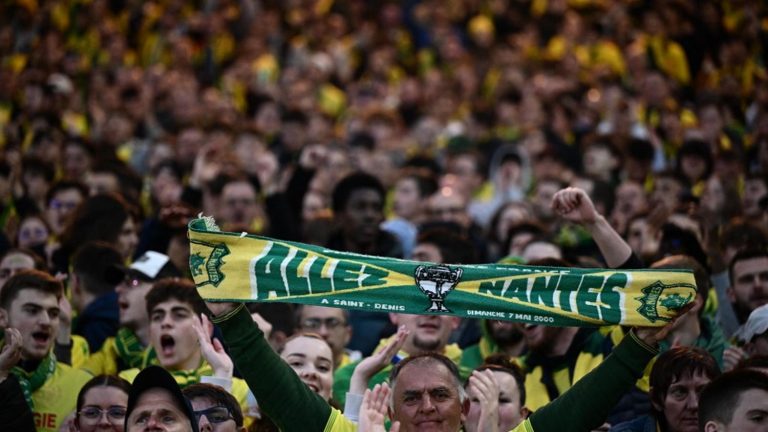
(366, 400)
(202, 336)
(379, 396)
(652, 335)
(395, 427)
(217, 345)
(566, 200)
(732, 356)
(11, 351)
(484, 385)
(396, 343)
(13, 338)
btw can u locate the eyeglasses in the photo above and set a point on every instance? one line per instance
(316, 323)
(217, 414)
(115, 414)
(63, 205)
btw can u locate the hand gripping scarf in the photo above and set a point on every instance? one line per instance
(247, 268)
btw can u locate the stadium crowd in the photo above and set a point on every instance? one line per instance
(573, 133)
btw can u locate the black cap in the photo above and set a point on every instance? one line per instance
(157, 377)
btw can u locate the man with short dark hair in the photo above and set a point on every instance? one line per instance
(93, 295)
(358, 209)
(127, 348)
(735, 402)
(156, 403)
(749, 282)
(180, 342)
(29, 302)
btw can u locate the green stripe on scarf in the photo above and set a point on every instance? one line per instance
(240, 267)
(188, 377)
(130, 350)
(31, 381)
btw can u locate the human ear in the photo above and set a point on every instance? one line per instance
(465, 409)
(712, 426)
(3, 318)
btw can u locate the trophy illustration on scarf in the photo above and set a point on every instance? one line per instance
(436, 282)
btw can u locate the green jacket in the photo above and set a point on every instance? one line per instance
(281, 394)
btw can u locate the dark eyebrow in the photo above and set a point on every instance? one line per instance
(297, 354)
(411, 393)
(440, 388)
(181, 309)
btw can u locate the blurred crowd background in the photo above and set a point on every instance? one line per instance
(457, 119)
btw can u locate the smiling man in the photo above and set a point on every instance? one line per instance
(427, 394)
(174, 309)
(29, 302)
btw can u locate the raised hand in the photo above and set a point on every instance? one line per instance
(575, 205)
(732, 356)
(377, 361)
(220, 308)
(213, 351)
(484, 387)
(373, 411)
(10, 354)
(64, 334)
(653, 335)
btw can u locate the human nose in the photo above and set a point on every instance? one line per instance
(153, 423)
(693, 401)
(44, 318)
(323, 330)
(309, 372)
(426, 404)
(166, 321)
(203, 425)
(104, 419)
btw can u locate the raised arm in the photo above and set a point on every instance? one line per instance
(281, 394)
(587, 404)
(574, 204)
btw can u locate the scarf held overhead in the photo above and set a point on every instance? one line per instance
(248, 268)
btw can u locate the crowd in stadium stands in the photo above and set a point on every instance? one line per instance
(573, 133)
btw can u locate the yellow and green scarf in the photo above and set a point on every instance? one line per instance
(130, 350)
(31, 381)
(247, 268)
